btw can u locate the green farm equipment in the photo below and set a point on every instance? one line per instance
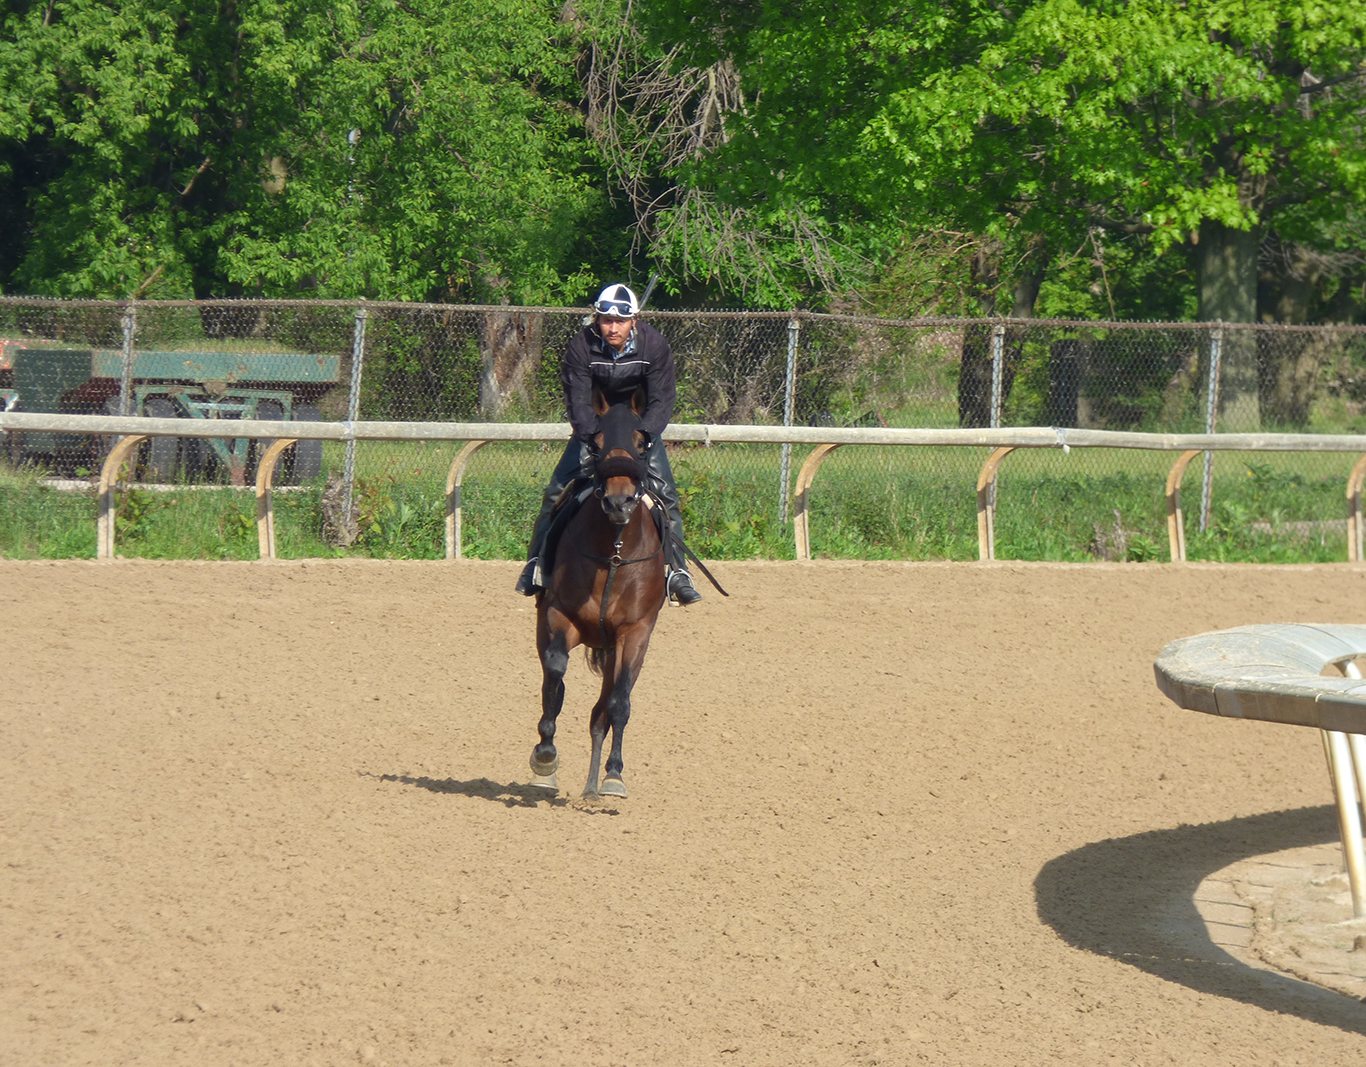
(38, 376)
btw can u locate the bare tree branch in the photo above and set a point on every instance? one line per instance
(650, 117)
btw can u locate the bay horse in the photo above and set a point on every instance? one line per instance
(604, 592)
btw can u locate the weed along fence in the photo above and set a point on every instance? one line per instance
(277, 437)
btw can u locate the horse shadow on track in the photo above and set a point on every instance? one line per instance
(511, 795)
(1133, 899)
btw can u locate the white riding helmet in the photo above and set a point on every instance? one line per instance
(618, 302)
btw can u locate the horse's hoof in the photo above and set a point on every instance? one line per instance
(614, 787)
(544, 770)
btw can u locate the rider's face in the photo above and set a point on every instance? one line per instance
(615, 331)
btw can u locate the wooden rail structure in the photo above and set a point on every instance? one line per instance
(824, 440)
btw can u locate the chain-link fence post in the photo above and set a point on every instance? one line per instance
(793, 332)
(353, 408)
(998, 333)
(998, 336)
(1216, 345)
(130, 329)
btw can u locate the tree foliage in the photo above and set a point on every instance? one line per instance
(106, 114)
(1092, 157)
(1034, 123)
(365, 147)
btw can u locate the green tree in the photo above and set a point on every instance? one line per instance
(1207, 122)
(360, 148)
(114, 124)
(428, 150)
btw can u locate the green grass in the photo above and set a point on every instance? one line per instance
(39, 522)
(866, 503)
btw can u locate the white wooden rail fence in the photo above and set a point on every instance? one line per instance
(823, 440)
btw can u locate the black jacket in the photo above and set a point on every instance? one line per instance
(648, 361)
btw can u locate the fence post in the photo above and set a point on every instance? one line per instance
(793, 331)
(130, 329)
(998, 334)
(353, 408)
(1216, 344)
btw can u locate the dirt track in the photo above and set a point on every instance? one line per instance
(270, 814)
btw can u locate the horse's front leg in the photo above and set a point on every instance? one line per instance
(553, 643)
(613, 709)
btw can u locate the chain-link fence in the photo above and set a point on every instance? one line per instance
(336, 360)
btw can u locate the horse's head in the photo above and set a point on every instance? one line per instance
(620, 469)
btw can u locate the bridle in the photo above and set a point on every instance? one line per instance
(615, 560)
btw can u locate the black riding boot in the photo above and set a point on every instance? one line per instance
(681, 588)
(661, 478)
(529, 581)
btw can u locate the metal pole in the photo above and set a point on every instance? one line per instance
(1354, 851)
(1216, 344)
(130, 329)
(998, 334)
(1349, 818)
(793, 331)
(353, 410)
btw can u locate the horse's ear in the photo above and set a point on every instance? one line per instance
(638, 401)
(600, 404)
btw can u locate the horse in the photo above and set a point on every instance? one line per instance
(604, 592)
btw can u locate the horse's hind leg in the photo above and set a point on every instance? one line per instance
(618, 711)
(613, 710)
(598, 725)
(554, 649)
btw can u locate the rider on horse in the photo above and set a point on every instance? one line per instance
(618, 354)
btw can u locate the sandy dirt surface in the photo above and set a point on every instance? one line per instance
(880, 814)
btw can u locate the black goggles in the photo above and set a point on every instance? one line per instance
(617, 309)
